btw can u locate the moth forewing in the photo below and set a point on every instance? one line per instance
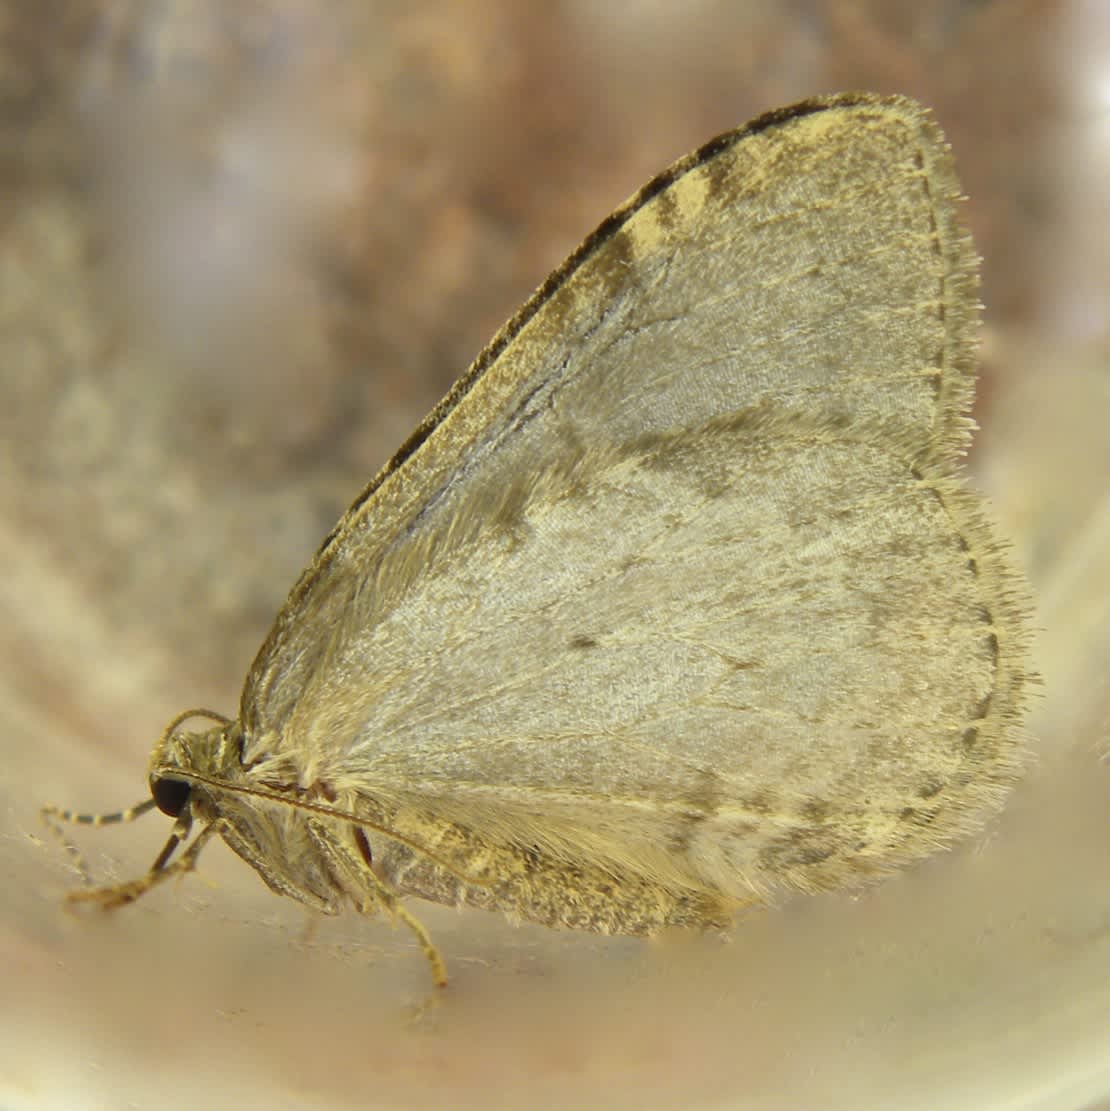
(678, 598)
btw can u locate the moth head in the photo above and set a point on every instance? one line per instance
(180, 761)
(180, 755)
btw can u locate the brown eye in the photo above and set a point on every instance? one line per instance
(170, 795)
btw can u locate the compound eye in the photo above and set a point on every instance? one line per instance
(170, 795)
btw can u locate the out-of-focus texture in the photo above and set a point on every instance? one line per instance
(243, 248)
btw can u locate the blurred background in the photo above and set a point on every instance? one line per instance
(243, 249)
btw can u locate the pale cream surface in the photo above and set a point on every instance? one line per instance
(981, 978)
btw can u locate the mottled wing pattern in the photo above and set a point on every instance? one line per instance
(681, 577)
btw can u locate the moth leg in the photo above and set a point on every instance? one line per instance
(53, 816)
(357, 868)
(435, 958)
(118, 895)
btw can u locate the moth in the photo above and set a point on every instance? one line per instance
(677, 601)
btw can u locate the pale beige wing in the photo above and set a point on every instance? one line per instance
(680, 574)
